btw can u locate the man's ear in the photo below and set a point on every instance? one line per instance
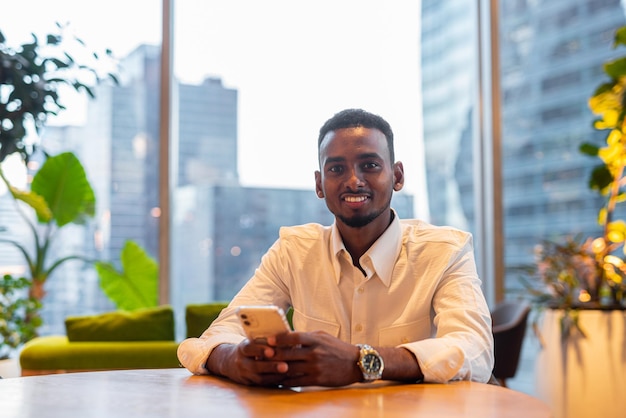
(318, 185)
(398, 176)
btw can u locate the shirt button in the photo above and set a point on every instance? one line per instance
(358, 328)
(361, 290)
(405, 340)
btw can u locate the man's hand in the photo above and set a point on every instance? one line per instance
(305, 359)
(249, 363)
(319, 359)
(290, 359)
(316, 359)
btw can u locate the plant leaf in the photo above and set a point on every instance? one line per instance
(600, 178)
(136, 285)
(32, 199)
(62, 182)
(620, 37)
(616, 68)
(589, 149)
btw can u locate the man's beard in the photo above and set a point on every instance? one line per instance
(359, 221)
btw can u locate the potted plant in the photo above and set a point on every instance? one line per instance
(579, 284)
(18, 319)
(589, 273)
(31, 76)
(60, 194)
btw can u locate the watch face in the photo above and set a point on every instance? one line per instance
(371, 363)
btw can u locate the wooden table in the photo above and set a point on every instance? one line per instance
(176, 393)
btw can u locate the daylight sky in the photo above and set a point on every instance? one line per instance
(294, 64)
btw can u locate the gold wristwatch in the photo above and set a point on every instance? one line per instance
(371, 363)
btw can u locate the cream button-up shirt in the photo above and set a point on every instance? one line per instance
(419, 290)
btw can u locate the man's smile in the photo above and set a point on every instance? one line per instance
(355, 199)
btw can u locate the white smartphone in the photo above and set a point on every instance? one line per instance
(260, 322)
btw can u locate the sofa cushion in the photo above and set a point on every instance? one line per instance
(54, 354)
(199, 316)
(148, 324)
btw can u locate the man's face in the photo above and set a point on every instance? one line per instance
(357, 177)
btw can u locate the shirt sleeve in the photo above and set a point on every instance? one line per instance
(264, 288)
(463, 346)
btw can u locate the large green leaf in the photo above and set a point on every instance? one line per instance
(62, 182)
(600, 178)
(620, 37)
(589, 149)
(38, 203)
(136, 285)
(616, 68)
(33, 200)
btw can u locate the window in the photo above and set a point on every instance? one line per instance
(556, 82)
(252, 83)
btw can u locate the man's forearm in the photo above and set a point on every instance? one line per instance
(400, 365)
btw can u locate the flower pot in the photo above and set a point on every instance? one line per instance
(10, 368)
(583, 376)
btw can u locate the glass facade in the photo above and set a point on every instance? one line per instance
(249, 92)
(551, 56)
(453, 127)
(248, 96)
(550, 61)
(449, 78)
(113, 137)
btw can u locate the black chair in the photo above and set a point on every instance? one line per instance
(509, 327)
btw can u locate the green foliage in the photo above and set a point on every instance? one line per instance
(609, 102)
(30, 78)
(589, 149)
(136, 284)
(600, 178)
(38, 203)
(590, 272)
(60, 194)
(19, 317)
(567, 270)
(620, 37)
(63, 184)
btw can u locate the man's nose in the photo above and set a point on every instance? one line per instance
(356, 179)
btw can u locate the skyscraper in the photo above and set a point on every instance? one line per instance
(551, 62)
(220, 228)
(551, 56)
(449, 78)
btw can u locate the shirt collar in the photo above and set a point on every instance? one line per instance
(380, 258)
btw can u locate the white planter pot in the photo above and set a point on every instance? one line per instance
(584, 377)
(10, 368)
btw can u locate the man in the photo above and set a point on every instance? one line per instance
(407, 288)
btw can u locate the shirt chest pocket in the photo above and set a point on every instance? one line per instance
(405, 333)
(305, 323)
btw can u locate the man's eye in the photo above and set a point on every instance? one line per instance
(371, 165)
(335, 169)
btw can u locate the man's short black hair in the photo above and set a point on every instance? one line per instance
(352, 118)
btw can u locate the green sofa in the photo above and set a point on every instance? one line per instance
(142, 339)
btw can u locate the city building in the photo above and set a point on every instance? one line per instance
(551, 56)
(220, 233)
(220, 229)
